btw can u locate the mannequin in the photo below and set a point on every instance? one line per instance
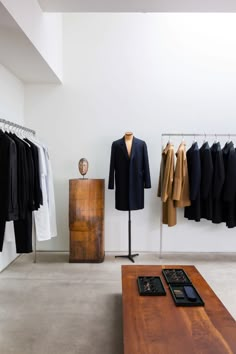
(128, 141)
(129, 174)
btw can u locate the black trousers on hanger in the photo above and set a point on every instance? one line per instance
(23, 234)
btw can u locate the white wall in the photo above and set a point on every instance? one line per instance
(44, 30)
(149, 73)
(12, 109)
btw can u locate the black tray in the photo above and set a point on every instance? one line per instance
(185, 301)
(150, 286)
(176, 276)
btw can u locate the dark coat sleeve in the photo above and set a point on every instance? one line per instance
(22, 176)
(219, 175)
(194, 173)
(12, 213)
(147, 178)
(38, 197)
(206, 173)
(230, 178)
(112, 168)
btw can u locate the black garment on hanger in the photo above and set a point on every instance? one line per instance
(25, 176)
(23, 234)
(229, 188)
(193, 212)
(38, 196)
(8, 183)
(30, 165)
(206, 181)
(218, 182)
(16, 189)
(8, 178)
(22, 175)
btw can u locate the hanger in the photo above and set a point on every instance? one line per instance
(20, 133)
(168, 142)
(6, 127)
(216, 139)
(2, 126)
(205, 138)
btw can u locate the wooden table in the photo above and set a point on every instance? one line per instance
(154, 325)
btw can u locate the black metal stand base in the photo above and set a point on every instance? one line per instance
(129, 256)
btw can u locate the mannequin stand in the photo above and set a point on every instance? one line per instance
(130, 255)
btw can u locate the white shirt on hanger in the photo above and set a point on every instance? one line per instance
(45, 216)
(51, 196)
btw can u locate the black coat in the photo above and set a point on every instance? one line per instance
(217, 183)
(129, 174)
(37, 193)
(8, 183)
(229, 188)
(8, 179)
(22, 175)
(193, 212)
(206, 181)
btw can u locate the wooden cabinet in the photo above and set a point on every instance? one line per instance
(86, 220)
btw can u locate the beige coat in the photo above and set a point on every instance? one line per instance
(165, 187)
(181, 181)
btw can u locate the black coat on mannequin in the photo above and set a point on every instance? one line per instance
(129, 174)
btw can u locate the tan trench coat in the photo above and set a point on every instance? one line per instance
(181, 180)
(165, 186)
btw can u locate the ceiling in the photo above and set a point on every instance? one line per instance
(19, 55)
(138, 5)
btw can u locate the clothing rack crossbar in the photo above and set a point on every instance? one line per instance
(15, 125)
(192, 134)
(183, 135)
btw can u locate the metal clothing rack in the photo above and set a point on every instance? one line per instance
(183, 135)
(18, 126)
(31, 131)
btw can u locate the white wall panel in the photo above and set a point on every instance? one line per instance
(149, 73)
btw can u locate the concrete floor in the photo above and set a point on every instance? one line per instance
(53, 307)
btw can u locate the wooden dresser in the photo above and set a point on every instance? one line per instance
(86, 220)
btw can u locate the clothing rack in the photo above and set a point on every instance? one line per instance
(18, 126)
(21, 127)
(183, 135)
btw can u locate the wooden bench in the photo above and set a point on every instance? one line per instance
(155, 325)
